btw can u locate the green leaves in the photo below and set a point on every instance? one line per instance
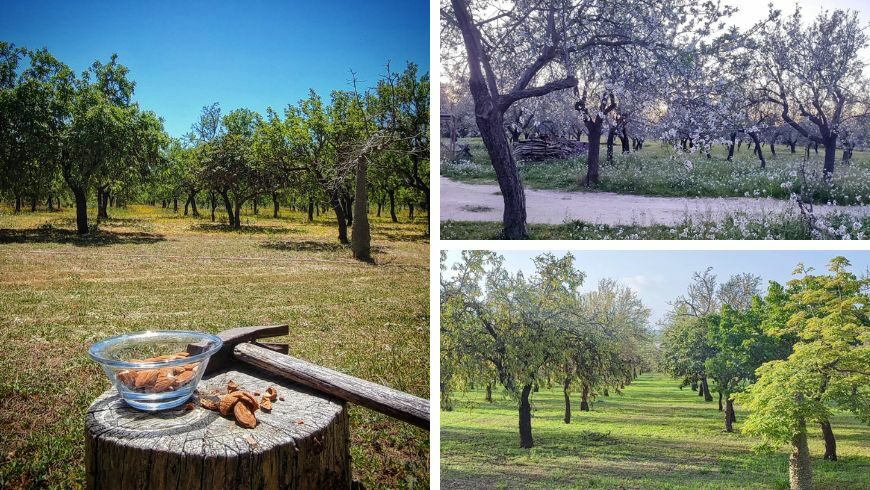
(828, 369)
(525, 327)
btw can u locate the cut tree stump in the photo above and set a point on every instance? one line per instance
(301, 443)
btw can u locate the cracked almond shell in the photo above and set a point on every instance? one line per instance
(244, 415)
(228, 400)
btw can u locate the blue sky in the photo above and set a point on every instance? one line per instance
(661, 276)
(184, 55)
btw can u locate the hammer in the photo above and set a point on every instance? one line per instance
(242, 344)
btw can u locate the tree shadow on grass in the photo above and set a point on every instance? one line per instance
(311, 246)
(403, 236)
(481, 457)
(48, 234)
(248, 229)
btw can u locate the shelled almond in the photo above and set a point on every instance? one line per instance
(157, 380)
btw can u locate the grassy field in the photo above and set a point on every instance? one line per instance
(656, 171)
(148, 268)
(653, 436)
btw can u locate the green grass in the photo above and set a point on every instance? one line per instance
(657, 171)
(150, 269)
(653, 436)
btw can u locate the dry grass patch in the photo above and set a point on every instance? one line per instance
(149, 269)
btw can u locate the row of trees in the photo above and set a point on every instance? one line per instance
(506, 329)
(670, 70)
(791, 357)
(88, 133)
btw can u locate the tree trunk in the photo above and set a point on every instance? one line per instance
(847, 155)
(830, 156)
(237, 214)
(118, 454)
(392, 195)
(81, 210)
(606, 391)
(17, 204)
(193, 207)
(340, 218)
(102, 203)
(623, 138)
(700, 389)
(380, 206)
(565, 388)
(361, 238)
(705, 388)
(584, 398)
(758, 149)
(347, 204)
(592, 153)
(50, 202)
(186, 204)
(310, 209)
(729, 414)
(611, 135)
(275, 205)
(213, 203)
(526, 441)
(492, 132)
(800, 470)
(720, 401)
(830, 441)
(731, 146)
(174, 204)
(411, 211)
(489, 392)
(229, 207)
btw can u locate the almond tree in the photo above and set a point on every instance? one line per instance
(815, 75)
(28, 124)
(231, 166)
(510, 320)
(828, 317)
(105, 132)
(520, 50)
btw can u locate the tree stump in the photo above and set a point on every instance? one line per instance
(301, 443)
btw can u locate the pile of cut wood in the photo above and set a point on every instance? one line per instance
(538, 150)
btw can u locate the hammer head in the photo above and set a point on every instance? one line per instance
(223, 358)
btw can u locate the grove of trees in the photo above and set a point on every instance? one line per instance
(518, 332)
(671, 70)
(85, 136)
(790, 357)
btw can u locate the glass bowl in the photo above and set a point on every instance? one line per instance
(152, 370)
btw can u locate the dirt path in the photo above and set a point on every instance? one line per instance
(473, 202)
